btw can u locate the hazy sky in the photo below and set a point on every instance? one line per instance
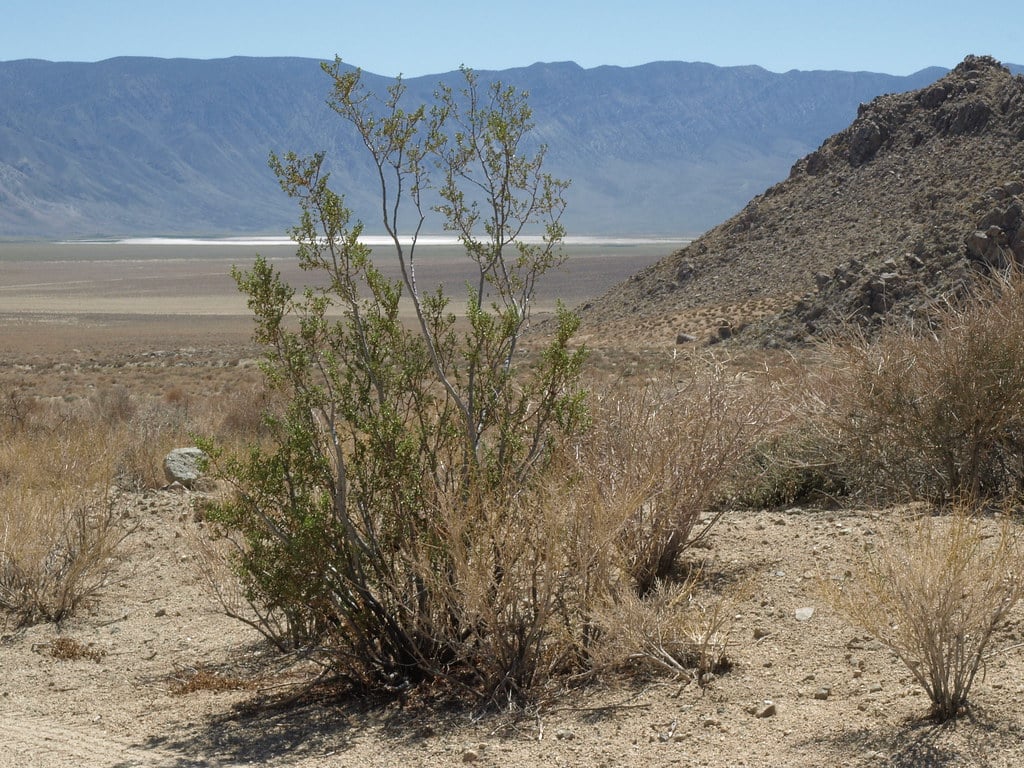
(417, 38)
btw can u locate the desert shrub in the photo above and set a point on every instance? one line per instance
(239, 414)
(59, 531)
(792, 467)
(16, 410)
(938, 415)
(799, 458)
(396, 517)
(934, 593)
(665, 455)
(113, 405)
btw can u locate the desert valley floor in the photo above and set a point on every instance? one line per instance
(152, 321)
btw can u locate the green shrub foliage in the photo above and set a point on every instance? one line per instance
(410, 459)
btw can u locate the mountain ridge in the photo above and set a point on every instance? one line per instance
(142, 146)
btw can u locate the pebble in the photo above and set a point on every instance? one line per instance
(564, 734)
(767, 710)
(822, 693)
(470, 756)
(804, 614)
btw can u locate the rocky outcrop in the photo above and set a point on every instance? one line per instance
(919, 197)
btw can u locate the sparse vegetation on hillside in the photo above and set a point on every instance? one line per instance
(905, 209)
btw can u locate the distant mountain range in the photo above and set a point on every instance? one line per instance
(142, 146)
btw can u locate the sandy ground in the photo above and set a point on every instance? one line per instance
(157, 627)
(156, 632)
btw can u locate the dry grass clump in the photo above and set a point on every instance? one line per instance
(59, 460)
(71, 649)
(59, 531)
(934, 593)
(678, 628)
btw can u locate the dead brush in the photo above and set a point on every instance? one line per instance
(517, 589)
(666, 454)
(70, 649)
(935, 415)
(934, 593)
(677, 628)
(59, 527)
(187, 680)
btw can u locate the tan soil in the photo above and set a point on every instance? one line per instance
(157, 630)
(157, 627)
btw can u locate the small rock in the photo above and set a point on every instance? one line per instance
(804, 614)
(875, 688)
(160, 612)
(822, 693)
(767, 709)
(564, 734)
(470, 756)
(760, 632)
(182, 466)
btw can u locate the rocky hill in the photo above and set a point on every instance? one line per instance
(141, 146)
(923, 192)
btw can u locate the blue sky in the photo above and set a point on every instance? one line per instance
(418, 38)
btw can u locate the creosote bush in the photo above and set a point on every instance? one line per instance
(430, 502)
(394, 519)
(934, 593)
